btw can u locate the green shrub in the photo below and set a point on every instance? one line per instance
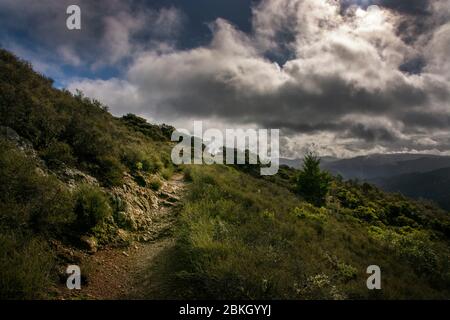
(308, 211)
(149, 166)
(320, 286)
(413, 246)
(91, 207)
(167, 173)
(347, 272)
(161, 132)
(29, 200)
(111, 171)
(155, 184)
(140, 180)
(348, 199)
(25, 266)
(366, 213)
(312, 183)
(58, 152)
(133, 157)
(187, 174)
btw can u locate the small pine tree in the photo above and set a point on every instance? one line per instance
(312, 183)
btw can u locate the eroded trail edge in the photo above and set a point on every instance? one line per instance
(140, 270)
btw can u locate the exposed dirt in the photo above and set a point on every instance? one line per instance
(138, 271)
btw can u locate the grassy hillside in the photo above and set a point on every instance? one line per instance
(239, 235)
(244, 237)
(43, 131)
(76, 130)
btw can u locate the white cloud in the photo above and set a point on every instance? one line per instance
(119, 95)
(340, 86)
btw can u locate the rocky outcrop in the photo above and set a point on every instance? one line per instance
(73, 177)
(139, 208)
(21, 144)
(89, 243)
(136, 204)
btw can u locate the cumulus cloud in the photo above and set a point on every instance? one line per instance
(118, 95)
(348, 77)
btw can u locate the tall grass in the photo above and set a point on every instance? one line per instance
(246, 238)
(25, 267)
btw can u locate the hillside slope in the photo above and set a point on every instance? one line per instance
(246, 238)
(73, 175)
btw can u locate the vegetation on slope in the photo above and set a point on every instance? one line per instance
(240, 235)
(60, 130)
(246, 237)
(31, 207)
(76, 130)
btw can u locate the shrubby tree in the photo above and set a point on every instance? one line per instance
(313, 183)
(91, 207)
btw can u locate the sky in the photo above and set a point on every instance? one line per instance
(340, 77)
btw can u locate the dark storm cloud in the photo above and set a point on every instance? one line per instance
(290, 106)
(413, 66)
(369, 133)
(420, 120)
(111, 30)
(366, 87)
(414, 7)
(363, 79)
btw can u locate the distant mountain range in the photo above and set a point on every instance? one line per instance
(414, 175)
(433, 185)
(297, 163)
(385, 165)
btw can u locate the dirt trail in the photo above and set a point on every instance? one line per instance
(139, 271)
